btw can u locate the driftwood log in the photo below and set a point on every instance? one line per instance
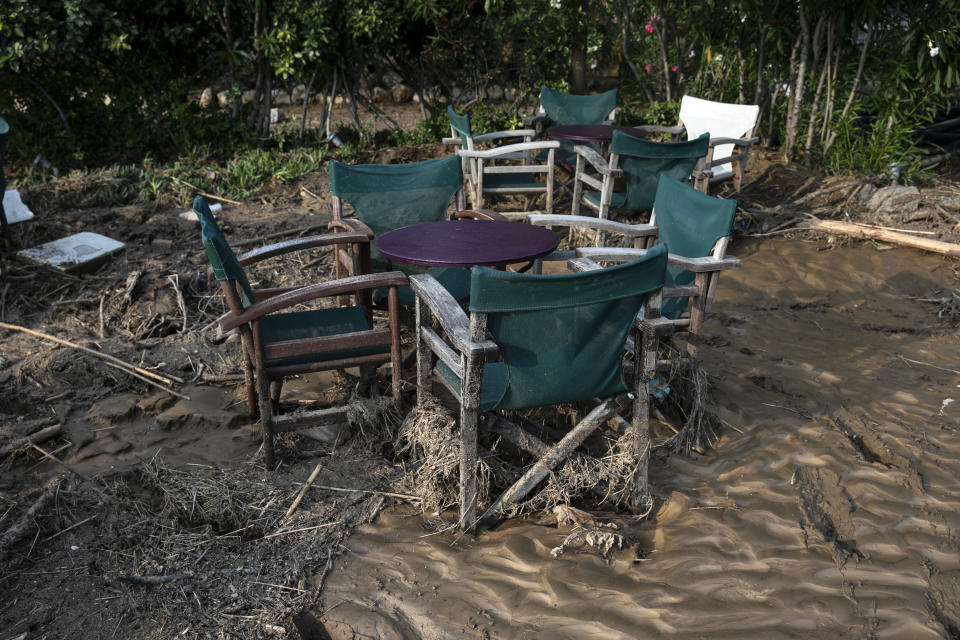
(34, 438)
(893, 237)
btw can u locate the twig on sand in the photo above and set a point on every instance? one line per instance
(926, 364)
(73, 526)
(402, 496)
(318, 526)
(110, 361)
(303, 490)
(205, 194)
(175, 281)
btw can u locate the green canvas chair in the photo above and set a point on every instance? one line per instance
(277, 342)
(536, 340)
(696, 227)
(560, 108)
(509, 169)
(640, 163)
(388, 196)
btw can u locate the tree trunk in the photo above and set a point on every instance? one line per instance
(577, 34)
(263, 90)
(306, 101)
(817, 42)
(796, 100)
(856, 83)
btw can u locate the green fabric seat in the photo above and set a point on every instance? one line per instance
(509, 181)
(690, 223)
(644, 161)
(315, 324)
(561, 337)
(569, 108)
(390, 196)
(281, 326)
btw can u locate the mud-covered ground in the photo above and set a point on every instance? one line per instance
(153, 517)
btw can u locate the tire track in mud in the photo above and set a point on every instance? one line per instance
(826, 507)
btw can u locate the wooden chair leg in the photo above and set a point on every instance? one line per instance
(276, 388)
(469, 419)
(266, 419)
(646, 361)
(424, 355)
(248, 376)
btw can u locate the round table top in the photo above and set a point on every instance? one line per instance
(591, 132)
(466, 243)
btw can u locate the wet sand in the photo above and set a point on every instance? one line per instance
(829, 508)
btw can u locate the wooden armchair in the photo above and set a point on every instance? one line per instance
(278, 342)
(533, 340)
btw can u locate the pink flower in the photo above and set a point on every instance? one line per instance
(648, 66)
(673, 68)
(656, 17)
(649, 27)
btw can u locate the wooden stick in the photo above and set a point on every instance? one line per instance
(34, 438)
(281, 533)
(902, 239)
(303, 490)
(205, 194)
(24, 522)
(73, 526)
(376, 493)
(109, 360)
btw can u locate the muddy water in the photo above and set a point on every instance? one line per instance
(828, 509)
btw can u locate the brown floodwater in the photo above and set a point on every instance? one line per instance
(829, 507)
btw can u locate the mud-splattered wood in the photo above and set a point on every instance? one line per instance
(551, 459)
(893, 237)
(35, 438)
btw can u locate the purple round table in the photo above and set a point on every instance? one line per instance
(466, 243)
(591, 132)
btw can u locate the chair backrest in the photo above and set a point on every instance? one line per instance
(720, 120)
(222, 259)
(569, 108)
(644, 161)
(459, 124)
(690, 223)
(561, 336)
(389, 196)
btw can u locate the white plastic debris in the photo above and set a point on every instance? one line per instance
(73, 251)
(192, 217)
(14, 208)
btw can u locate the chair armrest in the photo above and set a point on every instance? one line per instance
(350, 225)
(510, 148)
(582, 264)
(451, 317)
(478, 214)
(626, 254)
(740, 142)
(589, 222)
(499, 135)
(452, 141)
(675, 130)
(298, 244)
(312, 292)
(597, 161)
(705, 264)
